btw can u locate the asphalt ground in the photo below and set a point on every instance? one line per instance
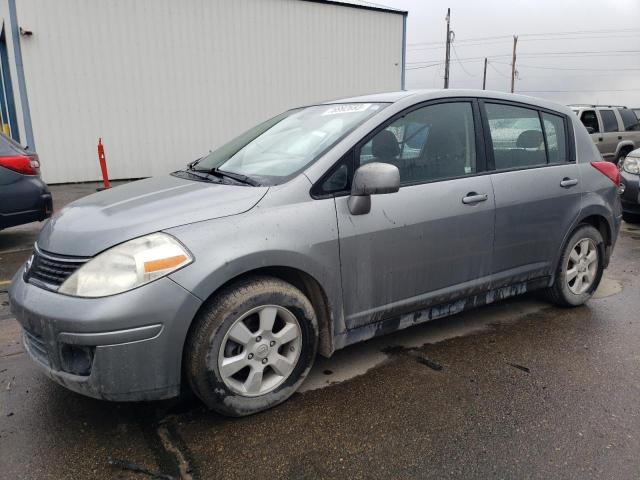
(518, 389)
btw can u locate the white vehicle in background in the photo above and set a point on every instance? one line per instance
(614, 129)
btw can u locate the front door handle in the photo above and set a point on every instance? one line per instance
(473, 197)
(619, 137)
(568, 182)
(599, 139)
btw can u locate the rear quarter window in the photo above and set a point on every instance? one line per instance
(555, 131)
(629, 120)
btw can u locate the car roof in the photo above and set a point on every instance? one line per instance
(417, 96)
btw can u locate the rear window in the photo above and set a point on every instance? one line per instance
(629, 120)
(609, 121)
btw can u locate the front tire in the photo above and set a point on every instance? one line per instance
(251, 346)
(580, 269)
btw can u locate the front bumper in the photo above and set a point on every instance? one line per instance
(135, 339)
(630, 198)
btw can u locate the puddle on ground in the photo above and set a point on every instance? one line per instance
(358, 359)
(607, 288)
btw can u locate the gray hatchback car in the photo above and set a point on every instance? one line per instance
(322, 227)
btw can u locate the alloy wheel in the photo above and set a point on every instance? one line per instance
(260, 350)
(582, 266)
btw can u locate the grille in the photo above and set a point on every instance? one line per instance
(50, 271)
(36, 346)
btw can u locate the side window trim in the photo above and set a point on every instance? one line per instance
(544, 136)
(569, 138)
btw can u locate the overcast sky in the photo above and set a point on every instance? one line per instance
(601, 66)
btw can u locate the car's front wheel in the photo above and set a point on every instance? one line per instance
(251, 346)
(580, 269)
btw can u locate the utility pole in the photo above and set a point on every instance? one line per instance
(447, 57)
(484, 76)
(513, 63)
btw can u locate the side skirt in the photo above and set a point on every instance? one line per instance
(401, 322)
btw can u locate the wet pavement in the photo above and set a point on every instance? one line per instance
(518, 389)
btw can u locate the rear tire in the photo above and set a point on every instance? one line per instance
(251, 346)
(580, 268)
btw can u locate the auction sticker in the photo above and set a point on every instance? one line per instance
(347, 108)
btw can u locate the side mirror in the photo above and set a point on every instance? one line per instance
(372, 179)
(591, 130)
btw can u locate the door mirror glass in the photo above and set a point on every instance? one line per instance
(591, 130)
(372, 179)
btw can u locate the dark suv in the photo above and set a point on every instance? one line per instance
(24, 197)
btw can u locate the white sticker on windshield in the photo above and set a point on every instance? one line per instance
(347, 108)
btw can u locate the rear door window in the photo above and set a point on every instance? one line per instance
(590, 120)
(609, 121)
(516, 135)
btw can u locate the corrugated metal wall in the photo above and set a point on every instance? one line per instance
(163, 81)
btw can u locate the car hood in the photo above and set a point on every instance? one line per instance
(96, 222)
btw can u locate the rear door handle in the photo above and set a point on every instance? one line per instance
(568, 182)
(599, 139)
(473, 197)
(619, 137)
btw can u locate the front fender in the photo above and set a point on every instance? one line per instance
(300, 236)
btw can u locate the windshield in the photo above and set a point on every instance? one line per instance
(284, 145)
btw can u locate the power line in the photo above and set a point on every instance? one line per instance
(425, 66)
(498, 71)
(548, 54)
(476, 44)
(460, 63)
(544, 67)
(584, 33)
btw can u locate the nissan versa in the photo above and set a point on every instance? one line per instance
(324, 226)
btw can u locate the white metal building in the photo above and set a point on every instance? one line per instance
(164, 81)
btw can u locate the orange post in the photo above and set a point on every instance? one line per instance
(103, 164)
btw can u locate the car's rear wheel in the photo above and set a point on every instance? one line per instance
(251, 346)
(580, 269)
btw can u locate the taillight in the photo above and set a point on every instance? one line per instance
(25, 164)
(609, 170)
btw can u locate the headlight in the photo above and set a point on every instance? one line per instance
(631, 165)
(126, 266)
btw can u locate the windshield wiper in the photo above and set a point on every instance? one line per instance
(235, 176)
(194, 173)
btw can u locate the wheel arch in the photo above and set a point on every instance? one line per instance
(307, 284)
(600, 218)
(625, 146)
